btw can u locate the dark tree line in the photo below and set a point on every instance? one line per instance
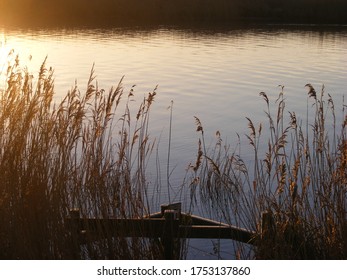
(118, 12)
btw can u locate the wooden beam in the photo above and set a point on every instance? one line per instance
(215, 232)
(196, 220)
(124, 227)
(172, 225)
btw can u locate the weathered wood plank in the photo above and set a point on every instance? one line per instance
(170, 225)
(154, 226)
(217, 232)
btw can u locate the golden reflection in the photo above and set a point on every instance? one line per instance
(3, 54)
(2, 48)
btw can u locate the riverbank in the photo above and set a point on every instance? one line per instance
(137, 12)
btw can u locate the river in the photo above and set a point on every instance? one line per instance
(215, 74)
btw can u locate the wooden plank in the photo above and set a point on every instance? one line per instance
(123, 227)
(154, 215)
(155, 226)
(196, 220)
(214, 232)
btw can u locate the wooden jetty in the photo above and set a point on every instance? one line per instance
(170, 225)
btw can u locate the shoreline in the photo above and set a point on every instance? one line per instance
(120, 13)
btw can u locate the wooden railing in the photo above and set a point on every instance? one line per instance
(170, 225)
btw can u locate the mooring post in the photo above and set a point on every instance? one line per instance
(75, 230)
(74, 213)
(267, 226)
(173, 206)
(74, 221)
(170, 239)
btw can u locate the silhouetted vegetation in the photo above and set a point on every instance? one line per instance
(90, 152)
(297, 177)
(125, 12)
(87, 152)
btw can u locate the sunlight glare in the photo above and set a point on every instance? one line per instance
(2, 50)
(4, 57)
(5, 53)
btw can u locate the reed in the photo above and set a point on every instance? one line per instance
(89, 151)
(297, 177)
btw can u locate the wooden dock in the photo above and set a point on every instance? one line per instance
(170, 225)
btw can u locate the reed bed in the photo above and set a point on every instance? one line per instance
(296, 181)
(89, 151)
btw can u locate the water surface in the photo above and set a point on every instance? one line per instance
(214, 74)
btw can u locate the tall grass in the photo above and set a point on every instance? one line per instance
(89, 151)
(297, 177)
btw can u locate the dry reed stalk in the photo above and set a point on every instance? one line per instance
(74, 154)
(300, 179)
